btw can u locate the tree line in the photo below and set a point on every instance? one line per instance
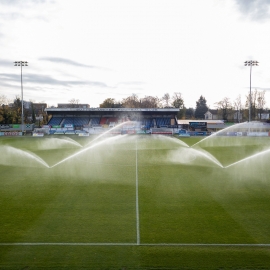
(10, 113)
(225, 108)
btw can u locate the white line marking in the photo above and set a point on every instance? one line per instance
(137, 199)
(68, 244)
(136, 244)
(207, 245)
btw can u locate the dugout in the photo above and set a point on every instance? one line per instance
(202, 125)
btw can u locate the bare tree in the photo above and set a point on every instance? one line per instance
(225, 106)
(237, 104)
(253, 99)
(166, 99)
(3, 100)
(261, 103)
(74, 101)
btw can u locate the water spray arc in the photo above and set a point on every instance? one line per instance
(6, 150)
(209, 157)
(248, 158)
(183, 144)
(217, 133)
(107, 132)
(69, 140)
(84, 150)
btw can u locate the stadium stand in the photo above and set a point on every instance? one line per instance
(103, 121)
(76, 121)
(95, 121)
(81, 121)
(148, 123)
(55, 121)
(68, 121)
(163, 122)
(98, 120)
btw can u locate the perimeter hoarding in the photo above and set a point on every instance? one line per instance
(197, 125)
(11, 133)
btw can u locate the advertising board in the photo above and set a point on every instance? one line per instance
(258, 134)
(198, 124)
(83, 134)
(11, 133)
(35, 134)
(198, 133)
(162, 132)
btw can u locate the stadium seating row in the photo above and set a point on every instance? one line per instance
(110, 121)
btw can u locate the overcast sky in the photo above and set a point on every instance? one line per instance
(94, 49)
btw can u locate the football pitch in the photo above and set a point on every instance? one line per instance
(134, 202)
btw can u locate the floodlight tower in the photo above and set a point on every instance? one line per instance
(21, 64)
(250, 63)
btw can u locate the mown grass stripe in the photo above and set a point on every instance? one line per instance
(135, 244)
(137, 199)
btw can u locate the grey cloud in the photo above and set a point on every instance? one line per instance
(262, 88)
(6, 85)
(258, 10)
(130, 83)
(67, 62)
(11, 16)
(106, 93)
(6, 63)
(20, 6)
(19, 2)
(19, 16)
(43, 79)
(257, 88)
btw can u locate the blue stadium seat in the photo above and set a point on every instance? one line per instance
(55, 121)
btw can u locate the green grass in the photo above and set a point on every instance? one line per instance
(81, 213)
